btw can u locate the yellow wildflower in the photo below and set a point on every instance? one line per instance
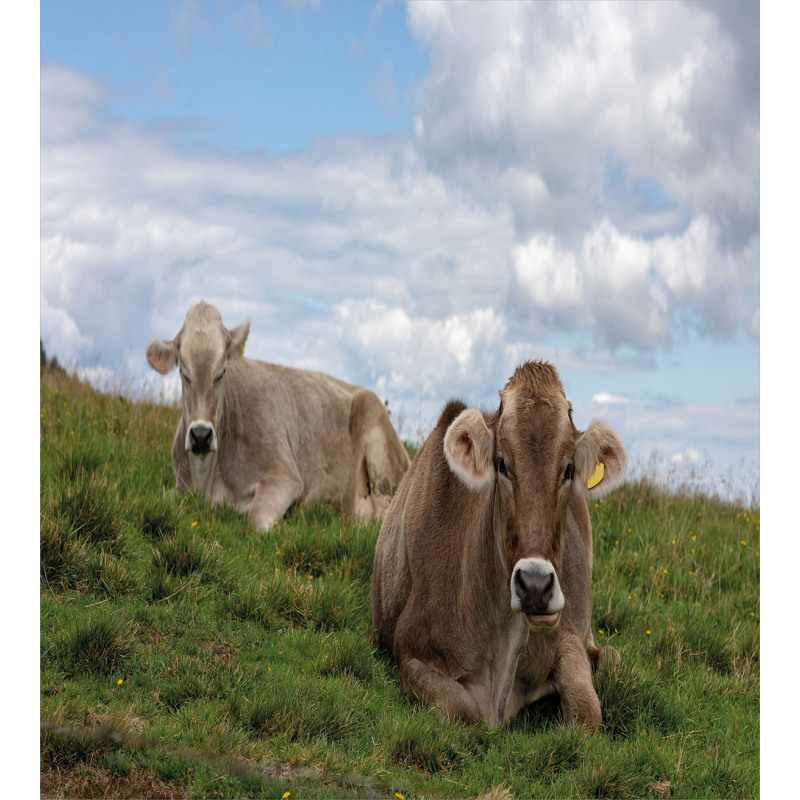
(194, 524)
(285, 795)
(119, 682)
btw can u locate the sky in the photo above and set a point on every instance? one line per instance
(418, 198)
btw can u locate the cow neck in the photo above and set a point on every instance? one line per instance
(484, 571)
(498, 634)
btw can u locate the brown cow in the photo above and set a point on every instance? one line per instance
(481, 583)
(262, 437)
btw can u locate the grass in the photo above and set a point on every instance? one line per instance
(185, 655)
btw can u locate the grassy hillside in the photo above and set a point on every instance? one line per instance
(184, 655)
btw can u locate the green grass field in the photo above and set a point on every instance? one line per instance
(185, 655)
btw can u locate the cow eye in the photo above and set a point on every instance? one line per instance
(569, 473)
(220, 376)
(501, 466)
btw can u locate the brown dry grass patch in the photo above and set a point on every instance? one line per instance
(65, 784)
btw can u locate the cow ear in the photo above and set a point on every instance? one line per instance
(468, 450)
(238, 338)
(162, 356)
(600, 459)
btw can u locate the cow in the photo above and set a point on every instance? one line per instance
(481, 577)
(262, 437)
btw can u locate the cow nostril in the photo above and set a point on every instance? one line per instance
(519, 585)
(547, 593)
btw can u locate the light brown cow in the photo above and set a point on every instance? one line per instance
(481, 583)
(262, 437)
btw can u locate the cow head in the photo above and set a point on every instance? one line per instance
(201, 351)
(531, 456)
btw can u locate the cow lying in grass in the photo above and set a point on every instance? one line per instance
(481, 582)
(262, 437)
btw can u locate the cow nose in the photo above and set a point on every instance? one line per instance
(200, 437)
(535, 591)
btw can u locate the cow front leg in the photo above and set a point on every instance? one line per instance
(445, 696)
(274, 496)
(573, 680)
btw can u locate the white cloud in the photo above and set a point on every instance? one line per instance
(455, 354)
(627, 289)
(57, 326)
(69, 104)
(134, 231)
(604, 398)
(624, 141)
(689, 455)
(559, 84)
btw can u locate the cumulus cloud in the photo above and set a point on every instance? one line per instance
(627, 289)
(624, 141)
(421, 350)
(330, 246)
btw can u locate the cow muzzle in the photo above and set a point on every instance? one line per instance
(201, 438)
(536, 592)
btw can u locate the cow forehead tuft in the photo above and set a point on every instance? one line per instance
(534, 380)
(203, 329)
(203, 314)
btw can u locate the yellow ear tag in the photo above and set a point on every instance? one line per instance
(241, 349)
(597, 475)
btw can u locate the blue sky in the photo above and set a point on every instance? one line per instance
(417, 198)
(269, 77)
